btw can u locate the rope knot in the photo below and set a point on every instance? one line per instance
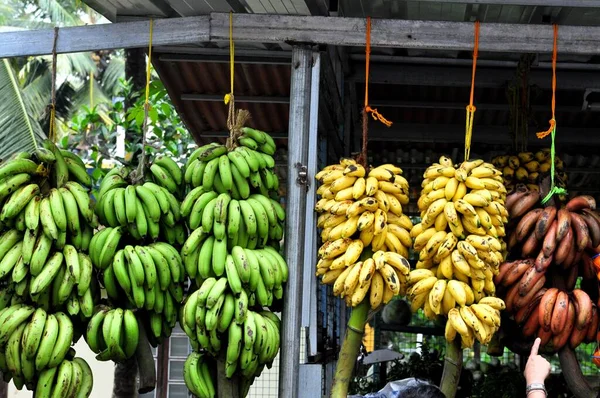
(228, 97)
(377, 116)
(471, 108)
(543, 134)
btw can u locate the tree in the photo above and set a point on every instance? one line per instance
(82, 78)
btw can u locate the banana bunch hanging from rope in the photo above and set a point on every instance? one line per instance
(462, 222)
(240, 170)
(365, 234)
(70, 379)
(146, 277)
(31, 341)
(146, 210)
(460, 246)
(113, 334)
(528, 168)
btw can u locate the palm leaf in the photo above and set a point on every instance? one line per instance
(19, 131)
(114, 72)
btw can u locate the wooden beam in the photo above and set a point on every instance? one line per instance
(259, 28)
(257, 99)
(106, 36)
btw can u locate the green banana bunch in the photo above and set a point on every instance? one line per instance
(32, 340)
(257, 221)
(246, 168)
(167, 173)
(113, 334)
(70, 379)
(198, 376)
(146, 210)
(251, 341)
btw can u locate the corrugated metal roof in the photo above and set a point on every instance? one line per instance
(208, 117)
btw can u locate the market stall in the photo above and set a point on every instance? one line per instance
(302, 78)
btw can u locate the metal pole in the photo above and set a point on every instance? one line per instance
(309, 298)
(302, 62)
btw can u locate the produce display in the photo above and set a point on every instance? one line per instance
(460, 246)
(528, 168)
(365, 234)
(147, 210)
(138, 269)
(49, 290)
(552, 246)
(232, 257)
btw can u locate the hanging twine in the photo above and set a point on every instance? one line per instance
(367, 109)
(91, 90)
(235, 121)
(552, 129)
(52, 128)
(139, 175)
(471, 108)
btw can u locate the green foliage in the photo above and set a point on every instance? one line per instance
(94, 131)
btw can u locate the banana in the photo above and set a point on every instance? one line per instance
(63, 340)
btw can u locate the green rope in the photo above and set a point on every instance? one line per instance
(554, 189)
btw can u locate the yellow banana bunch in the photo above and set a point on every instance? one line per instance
(361, 212)
(382, 276)
(460, 245)
(476, 321)
(528, 168)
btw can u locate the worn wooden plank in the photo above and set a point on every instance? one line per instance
(175, 31)
(265, 28)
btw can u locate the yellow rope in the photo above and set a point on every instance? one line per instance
(149, 66)
(471, 108)
(229, 96)
(91, 89)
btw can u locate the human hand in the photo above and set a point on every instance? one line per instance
(537, 368)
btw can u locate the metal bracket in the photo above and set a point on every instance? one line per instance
(302, 174)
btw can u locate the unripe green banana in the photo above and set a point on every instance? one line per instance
(32, 213)
(216, 291)
(204, 259)
(234, 343)
(241, 308)
(233, 279)
(219, 257)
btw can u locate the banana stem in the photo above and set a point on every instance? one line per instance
(226, 388)
(350, 350)
(145, 362)
(452, 368)
(571, 369)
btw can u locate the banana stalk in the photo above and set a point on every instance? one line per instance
(350, 350)
(452, 368)
(227, 387)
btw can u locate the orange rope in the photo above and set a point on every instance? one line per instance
(376, 115)
(543, 134)
(471, 108)
(367, 109)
